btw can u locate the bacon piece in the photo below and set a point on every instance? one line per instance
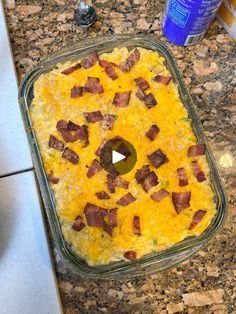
(70, 155)
(94, 168)
(131, 255)
(158, 158)
(108, 121)
(76, 91)
(68, 136)
(120, 182)
(136, 225)
(82, 133)
(78, 224)
(140, 94)
(132, 59)
(107, 228)
(110, 72)
(162, 79)
(55, 143)
(183, 180)
(99, 150)
(122, 99)
(126, 199)
(94, 215)
(199, 174)
(111, 183)
(112, 217)
(196, 150)
(148, 99)
(93, 86)
(93, 117)
(71, 69)
(61, 124)
(197, 217)
(124, 150)
(71, 126)
(158, 196)
(142, 83)
(150, 181)
(152, 132)
(52, 178)
(181, 200)
(90, 60)
(102, 195)
(142, 173)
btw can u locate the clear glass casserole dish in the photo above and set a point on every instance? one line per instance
(152, 262)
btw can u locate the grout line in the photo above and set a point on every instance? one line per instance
(16, 172)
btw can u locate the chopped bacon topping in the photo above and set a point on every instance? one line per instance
(131, 255)
(109, 69)
(196, 150)
(197, 217)
(199, 174)
(107, 228)
(124, 150)
(71, 126)
(94, 215)
(94, 168)
(90, 60)
(52, 178)
(72, 132)
(102, 195)
(62, 124)
(142, 83)
(126, 199)
(93, 117)
(68, 136)
(82, 133)
(136, 225)
(93, 86)
(183, 180)
(122, 99)
(158, 158)
(158, 196)
(181, 200)
(108, 121)
(162, 79)
(55, 143)
(152, 132)
(111, 183)
(112, 217)
(120, 182)
(71, 69)
(142, 173)
(76, 91)
(71, 156)
(132, 59)
(99, 150)
(150, 181)
(148, 99)
(78, 224)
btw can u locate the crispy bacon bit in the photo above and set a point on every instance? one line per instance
(124, 150)
(142, 83)
(52, 178)
(71, 156)
(120, 182)
(90, 60)
(76, 91)
(71, 69)
(108, 121)
(196, 150)
(68, 136)
(78, 224)
(102, 195)
(62, 124)
(107, 228)
(148, 99)
(162, 79)
(197, 217)
(183, 180)
(142, 173)
(71, 126)
(82, 132)
(132, 59)
(131, 255)
(110, 72)
(112, 217)
(199, 174)
(140, 94)
(94, 215)
(150, 181)
(152, 132)
(94, 168)
(136, 225)
(158, 196)
(181, 200)
(158, 158)
(93, 117)
(111, 183)
(126, 199)
(99, 150)
(55, 143)
(122, 99)
(93, 86)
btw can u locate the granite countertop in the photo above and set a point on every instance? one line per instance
(205, 283)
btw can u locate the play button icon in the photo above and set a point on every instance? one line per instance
(118, 156)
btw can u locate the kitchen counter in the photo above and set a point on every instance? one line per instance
(206, 283)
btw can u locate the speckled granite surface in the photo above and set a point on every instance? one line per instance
(206, 283)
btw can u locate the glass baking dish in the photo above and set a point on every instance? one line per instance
(150, 263)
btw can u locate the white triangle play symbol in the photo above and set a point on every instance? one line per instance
(117, 157)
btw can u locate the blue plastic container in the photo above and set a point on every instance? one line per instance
(186, 21)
